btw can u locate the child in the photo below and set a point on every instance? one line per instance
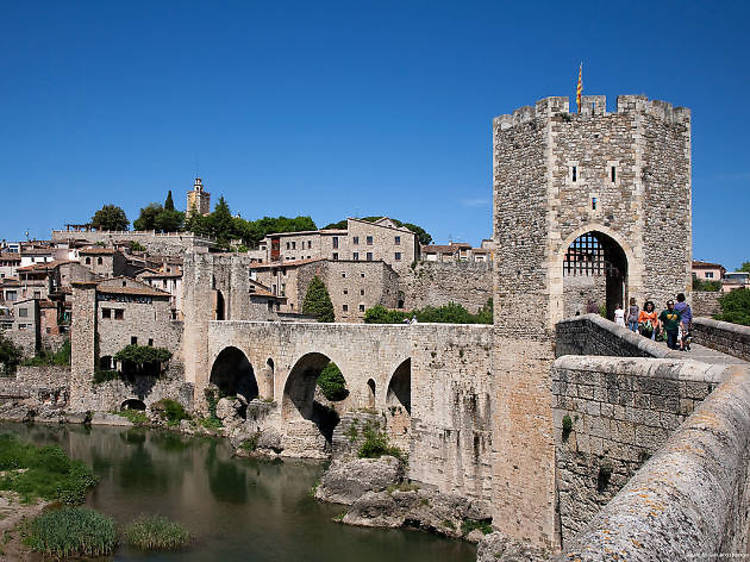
(619, 315)
(632, 316)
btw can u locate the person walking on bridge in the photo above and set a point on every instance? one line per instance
(670, 321)
(687, 319)
(647, 320)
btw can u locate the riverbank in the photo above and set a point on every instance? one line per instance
(14, 514)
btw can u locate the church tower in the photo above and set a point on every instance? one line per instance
(198, 199)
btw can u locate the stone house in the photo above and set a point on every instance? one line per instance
(32, 254)
(171, 282)
(9, 263)
(455, 251)
(361, 240)
(707, 271)
(105, 262)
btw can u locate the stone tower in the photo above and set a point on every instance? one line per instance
(595, 194)
(198, 199)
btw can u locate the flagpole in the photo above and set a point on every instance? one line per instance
(579, 86)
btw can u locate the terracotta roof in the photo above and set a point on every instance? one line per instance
(160, 275)
(91, 250)
(438, 249)
(707, 265)
(36, 251)
(143, 291)
(46, 266)
(10, 256)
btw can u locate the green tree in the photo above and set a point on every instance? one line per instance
(10, 356)
(317, 301)
(147, 218)
(423, 236)
(332, 383)
(169, 204)
(221, 223)
(169, 221)
(745, 266)
(735, 307)
(110, 217)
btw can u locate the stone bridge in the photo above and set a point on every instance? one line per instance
(430, 381)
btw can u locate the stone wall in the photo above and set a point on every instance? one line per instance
(621, 412)
(732, 339)
(577, 290)
(705, 303)
(438, 283)
(590, 334)
(27, 340)
(691, 498)
(167, 244)
(52, 376)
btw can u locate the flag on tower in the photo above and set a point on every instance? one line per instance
(579, 88)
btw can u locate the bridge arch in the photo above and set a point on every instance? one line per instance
(398, 405)
(233, 374)
(299, 401)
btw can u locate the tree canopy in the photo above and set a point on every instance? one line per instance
(158, 218)
(110, 217)
(317, 301)
(450, 313)
(423, 236)
(745, 266)
(735, 307)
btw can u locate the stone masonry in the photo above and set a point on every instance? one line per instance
(438, 283)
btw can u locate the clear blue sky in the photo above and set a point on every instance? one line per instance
(348, 108)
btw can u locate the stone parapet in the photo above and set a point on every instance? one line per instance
(732, 339)
(590, 334)
(705, 303)
(691, 498)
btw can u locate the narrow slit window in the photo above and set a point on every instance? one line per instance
(594, 203)
(613, 174)
(574, 174)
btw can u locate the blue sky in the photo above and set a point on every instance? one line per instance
(336, 109)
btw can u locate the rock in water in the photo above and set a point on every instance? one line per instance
(346, 481)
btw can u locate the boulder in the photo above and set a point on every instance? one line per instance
(496, 547)
(227, 408)
(346, 481)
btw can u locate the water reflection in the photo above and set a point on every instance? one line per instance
(238, 509)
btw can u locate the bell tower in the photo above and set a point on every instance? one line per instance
(198, 199)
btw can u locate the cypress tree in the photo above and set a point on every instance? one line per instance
(317, 301)
(169, 204)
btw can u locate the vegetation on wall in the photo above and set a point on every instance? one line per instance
(735, 307)
(705, 285)
(61, 357)
(317, 301)
(110, 217)
(332, 383)
(423, 236)
(142, 359)
(450, 313)
(10, 356)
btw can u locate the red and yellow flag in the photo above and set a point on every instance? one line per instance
(579, 88)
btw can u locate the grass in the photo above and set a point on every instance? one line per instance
(470, 525)
(211, 423)
(136, 417)
(72, 531)
(50, 474)
(156, 532)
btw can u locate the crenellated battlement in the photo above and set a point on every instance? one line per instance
(593, 106)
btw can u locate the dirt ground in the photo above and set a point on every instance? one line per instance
(13, 513)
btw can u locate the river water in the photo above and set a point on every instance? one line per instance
(237, 509)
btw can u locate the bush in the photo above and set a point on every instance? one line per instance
(567, 427)
(45, 357)
(170, 410)
(451, 313)
(72, 531)
(469, 525)
(155, 532)
(376, 445)
(317, 301)
(102, 376)
(10, 355)
(332, 383)
(51, 474)
(735, 307)
(704, 285)
(143, 359)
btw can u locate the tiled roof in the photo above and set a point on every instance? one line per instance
(41, 267)
(10, 256)
(160, 275)
(706, 264)
(143, 291)
(36, 252)
(93, 251)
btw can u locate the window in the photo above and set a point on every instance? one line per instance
(343, 275)
(345, 308)
(397, 240)
(594, 202)
(99, 261)
(335, 256)
(309, 245)
(124, 283)
(613, 174)
(119, 314)
(362, 292)
(287, 245)
(574, 174)
(335, 241)
(398, 256)
(709, 274)
(369, 240)
(369, 256)
(361, 308)
(294, 245)
(88, 261)
(355, 240)
(355, 256)
(37, 295)
(150, 342)
(133, 340)
(106, 313)
(11, 295)
(23, 312)
(346, 291)
(362, 275)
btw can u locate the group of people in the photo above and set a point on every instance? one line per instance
(674, 322)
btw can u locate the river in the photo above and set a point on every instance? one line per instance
(237, 509)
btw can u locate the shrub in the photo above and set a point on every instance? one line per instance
(332, 383)
(706, 285)
(212, 423)
(376, 445)
(46, 357)
(170, 410)
(10, 355)
(102, 376)
(567, 427)
(602, 479)
(72, 531)
(50, 474)
(317, 301)
(735, 307)
(135, 246)
(470, 525)
(451, 313)
(156, 532)
(143, 359)
(136, 417)
(250, 444)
